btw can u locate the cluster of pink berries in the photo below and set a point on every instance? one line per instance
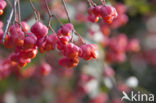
(26, 44)
(2, 6)
(117, 47)
(122, 18)
(107, 13)
(42, 70)
(70, 50)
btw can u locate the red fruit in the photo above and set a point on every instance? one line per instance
(26, 73)
(30, 53)
(93, 18)
(41, 44)
(108, 13)
(1, 12)
(25, 26)
(59, 32)
(17, 35)
(2, 4)
(68, 63)
(72, 50)
(1, 35)
(97, 10)
(105, 29)
(133, 45)
(60, 46)
(90, 10)
(30, 41)
(8, 42)
(51, 41)
(39, 29)
(115, 57)
(120, 57)
(123, 20)
(14, 57)
(88, 51)
(64, 39)
(67, 29)
(110, 57)
(120, 8)
(69, 26)
(45, 69)
(23, 62)
(118, 43)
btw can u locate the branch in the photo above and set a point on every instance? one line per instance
(19, 11)
(50, 16)
(90, 4)
(79, 37)
(91, 1)
(65, 7)
(57, 19)
(14, 7)
(37, 15)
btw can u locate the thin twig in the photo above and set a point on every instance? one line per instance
(50, 16)
(14, 7)
(91, 1)
(49, 12)
(19, 11)
(35, 10)
(65, 7)
(90, 4)
(8, 23)
(79, 37)
(57, 19)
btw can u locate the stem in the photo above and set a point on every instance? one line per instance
(8, 23)
(91, 1)
(65, 7)
(57, 19)
(79, 37)
(37, 15)
(50, 16)
(14, 7)
(90, 4)
(49, 12)
(19, 11)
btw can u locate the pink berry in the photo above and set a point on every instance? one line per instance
(97, 10)
(68, 62)
(133, 45)
(72, 50)
(45, 69)
(93, 18)
(39, 29)
(25, 26)
(2, 4)
(88, 51)
(30, 40)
